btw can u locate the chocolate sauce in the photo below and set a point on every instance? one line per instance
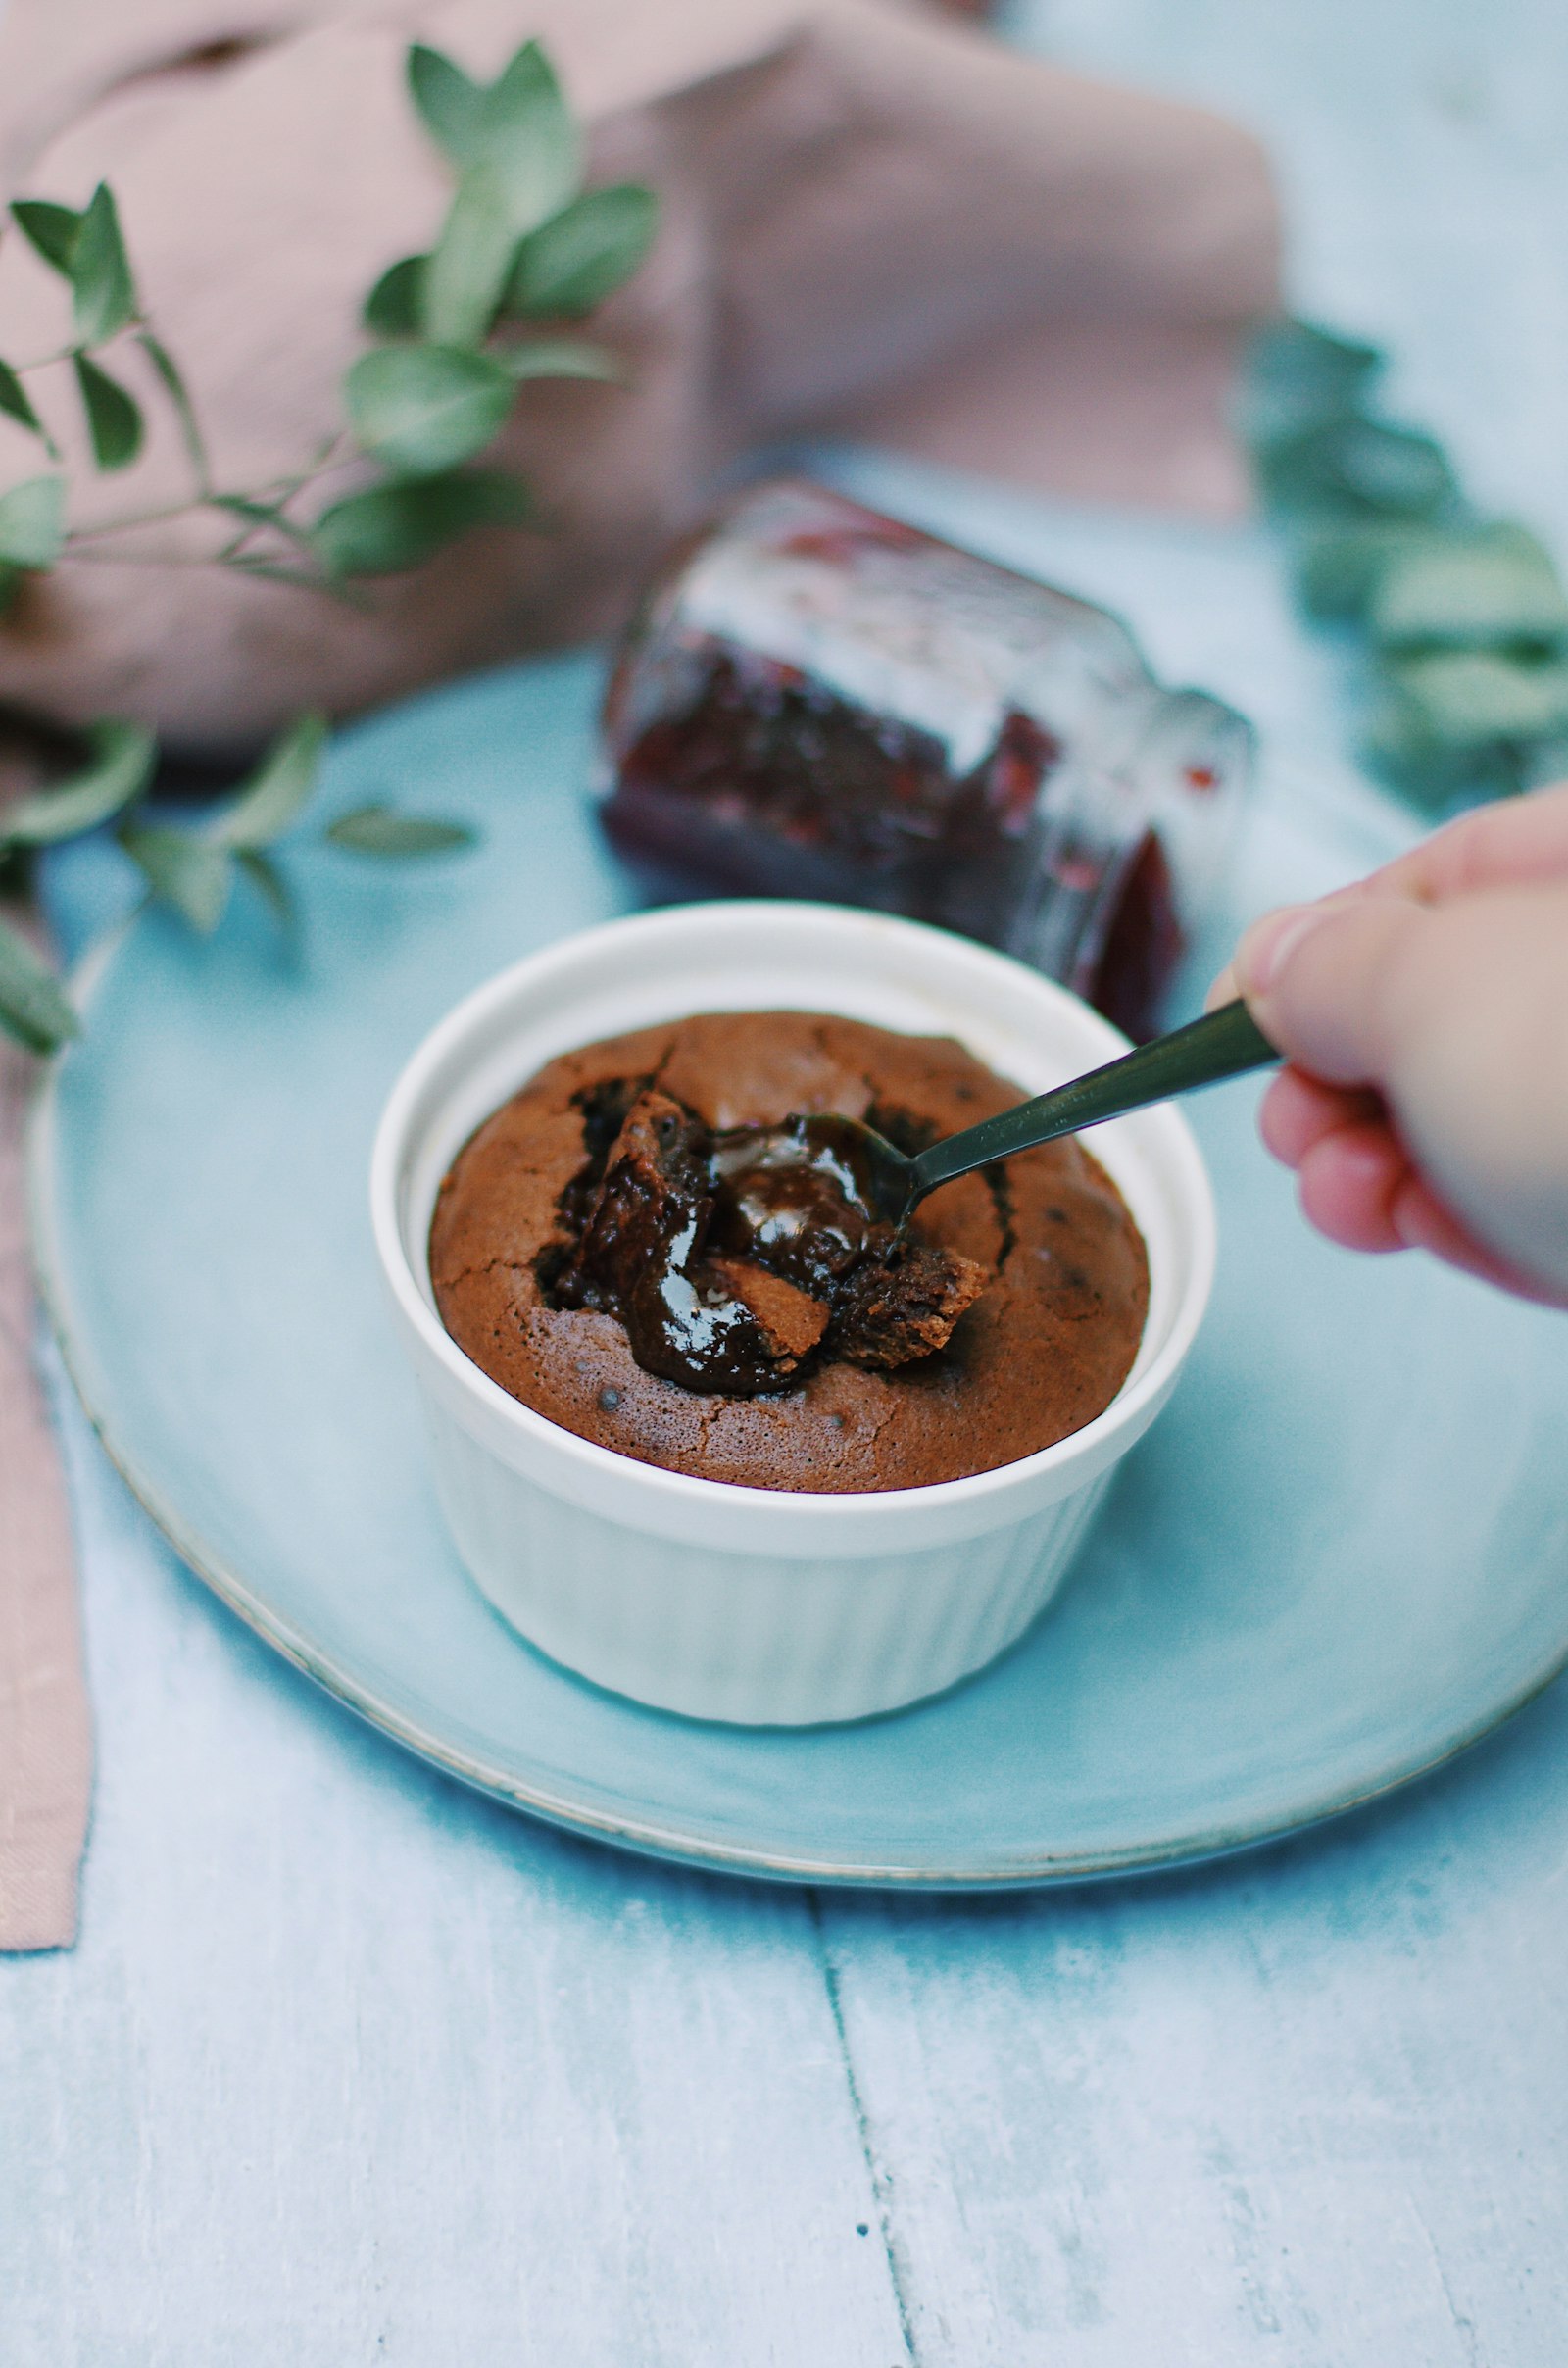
(733, 1259)
(797, 1199)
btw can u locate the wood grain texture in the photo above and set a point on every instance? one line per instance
(350, 2065)
(1307, 2108)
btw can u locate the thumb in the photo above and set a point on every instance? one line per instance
(1316, 978)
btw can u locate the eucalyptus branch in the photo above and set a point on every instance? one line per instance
(1461, 619)
(522, 244)
(458, 332)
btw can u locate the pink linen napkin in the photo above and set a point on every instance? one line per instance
(874, 219)
(45, 1728)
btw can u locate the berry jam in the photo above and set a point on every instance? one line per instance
(817, 700)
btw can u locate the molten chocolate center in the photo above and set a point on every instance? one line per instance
(733, 1257)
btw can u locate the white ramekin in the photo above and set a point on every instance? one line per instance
(764, 1607)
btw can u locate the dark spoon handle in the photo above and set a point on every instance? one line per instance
(1223, 1044)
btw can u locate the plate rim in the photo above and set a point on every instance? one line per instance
(667, 1842)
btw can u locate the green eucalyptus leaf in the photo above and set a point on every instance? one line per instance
(462, 282)
(1397, 745)
(1356, 467)
(1493, 588)
(34, 1008)
(51, 231)
(266, 877)
(1465, 620)
(117, 772)
(447, 100)
(114, 417)
(578, 257)
(422, 408)
(174, 387)
(1437, 775)
(524, 129)
(277, 791)
(1299, 376)
(388, 529)
(103, 292)
(33, 523)
(1339, 564)
(1464, 699)
(10, 582)
(395, 306)
(561, 357)
(182, 869)
(14, 403)
(379, 829)
(518, 128)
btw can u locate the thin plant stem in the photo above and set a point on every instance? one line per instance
(135, 519)
(193, 503)
(44, 362)
(135, 559)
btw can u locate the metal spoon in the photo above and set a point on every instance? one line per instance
(1226, 1043)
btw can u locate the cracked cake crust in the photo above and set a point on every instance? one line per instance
(1042, 1351)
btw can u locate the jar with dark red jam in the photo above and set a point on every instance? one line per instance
(818, 701)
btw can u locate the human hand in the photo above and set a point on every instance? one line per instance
(1424, 1016)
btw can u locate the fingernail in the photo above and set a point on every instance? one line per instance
(1269, 944)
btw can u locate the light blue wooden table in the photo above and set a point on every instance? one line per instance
(352, 2067)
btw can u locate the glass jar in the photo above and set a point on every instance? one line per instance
(815, 700)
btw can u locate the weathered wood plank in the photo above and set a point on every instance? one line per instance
(350, 2065)
(1310, 2107)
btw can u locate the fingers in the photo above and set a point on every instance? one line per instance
(1359, 1188)
(1316, 978)
(1349, 1182)
(1298, 1112)
(1425, 1104)
(1350, 1163)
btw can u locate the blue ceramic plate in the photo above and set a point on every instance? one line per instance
(1338, 1557)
